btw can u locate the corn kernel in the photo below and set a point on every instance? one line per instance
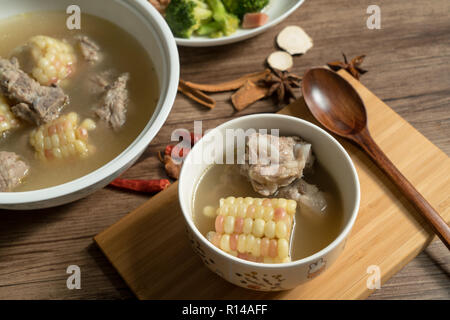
(268, 213)
(230, 200)
(258, 228)
(248, 225)
(224, 210)
(265, 247)
(259, 212)
(225, 243)
(269, 229)
(251, 209)
(55, 140)
(229, 224)
(65, 151)
(57, 153)
(208, 211)
(256, 250)
(291, 206)
(241, 210)
(250, 243)
(47, 143)
(281, 230)
(80, 146)
(88, 124)
(242, 244)
(282, 203)
(248, 200)
(283, 248)
(233, 210)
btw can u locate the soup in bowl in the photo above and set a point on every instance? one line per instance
(79, 104)
(268, 200)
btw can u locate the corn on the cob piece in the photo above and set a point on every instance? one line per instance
(63, 138)
(7, 119)
(254, 229)
(52, 59)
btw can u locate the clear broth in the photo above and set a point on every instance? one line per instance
(312, 232)
(121, 53)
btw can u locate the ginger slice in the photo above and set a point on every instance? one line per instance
(294, 40)
(280, 60)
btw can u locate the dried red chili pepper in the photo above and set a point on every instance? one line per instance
(172, 168)
(147, 186)
(177, 151)
(195, 138)
(175, 154)
(168, 149)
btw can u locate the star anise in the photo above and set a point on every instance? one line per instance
(353, 67)
(282, 83)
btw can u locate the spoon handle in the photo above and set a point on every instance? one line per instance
(438, 224)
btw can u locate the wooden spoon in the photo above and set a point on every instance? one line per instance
(339, 108)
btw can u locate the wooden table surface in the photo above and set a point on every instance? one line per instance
(408, 61)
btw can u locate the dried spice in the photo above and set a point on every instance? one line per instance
(172, 168)
(248, 94)
(174, 155)
(196, 95)
(196, 91)
(283, 84)
(147, 186)
(353, 67)
(229, 85)
(171, 165)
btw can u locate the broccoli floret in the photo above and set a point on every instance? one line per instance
(212, 29)
(241, 7)
(186, 16)
(228, 22)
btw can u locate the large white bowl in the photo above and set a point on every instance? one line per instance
(271, 277)
(277, 10)
(141, 20)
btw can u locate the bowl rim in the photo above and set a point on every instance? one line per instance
(169, 89)
(324, 251)
(209, 42)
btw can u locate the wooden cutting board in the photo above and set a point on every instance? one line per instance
(150, 250)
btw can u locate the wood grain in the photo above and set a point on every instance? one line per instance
(408, 61)
(388, 232)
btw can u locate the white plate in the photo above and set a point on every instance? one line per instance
(277, 10)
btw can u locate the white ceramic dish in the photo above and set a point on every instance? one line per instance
(142, 21)
(287, 275)
(277, 10)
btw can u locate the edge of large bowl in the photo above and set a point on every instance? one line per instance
(48, 197)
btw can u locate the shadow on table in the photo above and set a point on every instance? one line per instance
(109, 272)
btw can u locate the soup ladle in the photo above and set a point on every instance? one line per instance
(338, 107)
